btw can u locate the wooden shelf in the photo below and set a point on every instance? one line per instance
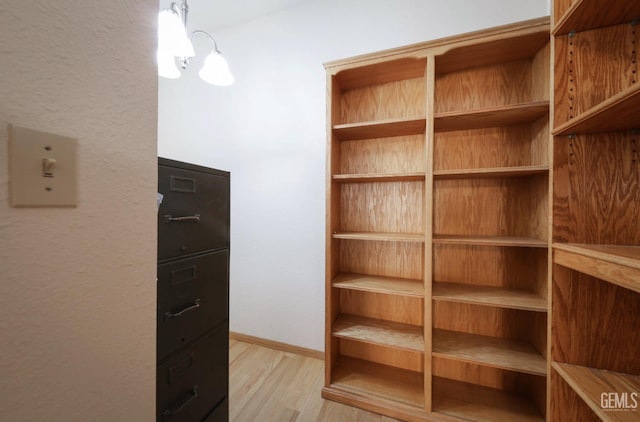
(376, 331)
(526, 242)
(495, 51)
(489, 351)
(508, 115)
(473, 402)
(491, 172)
(377, 284)
(584, 15)
(590, 383)
(490, 296)
(378, 381)
(385, 237)
(619, 265)
(361, 178)
(618, 113)
(381, 73)
(380, 128)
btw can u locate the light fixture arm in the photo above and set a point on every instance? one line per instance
(184, 61)
(185, 11)
(206, 35)
(181, 11)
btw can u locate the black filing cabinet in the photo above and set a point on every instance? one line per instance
(193, 293)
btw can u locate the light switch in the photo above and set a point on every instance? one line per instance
(43, 168)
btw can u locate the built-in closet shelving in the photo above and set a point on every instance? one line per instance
(438, 227)
(596, 204)
(490, 227)
(376, 312)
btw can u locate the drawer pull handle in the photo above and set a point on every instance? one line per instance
(169, 315)
(192, 397)
(169, 219)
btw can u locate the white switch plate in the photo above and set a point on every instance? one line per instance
(28, 185)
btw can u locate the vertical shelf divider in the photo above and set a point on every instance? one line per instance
(430, 77)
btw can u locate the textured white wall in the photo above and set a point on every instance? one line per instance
(77, 285)
(269, 131)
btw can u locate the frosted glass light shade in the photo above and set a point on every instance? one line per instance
(167, 65)
(172, 35)
(216, 70)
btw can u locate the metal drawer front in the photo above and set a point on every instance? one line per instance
(192, 297)
(194, 382)
(194, 213)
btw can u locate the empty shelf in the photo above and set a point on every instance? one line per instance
(380, 128)
(490, 296)
(616, 264)
(490, 351)
(375, 331)
(377, 284)
(590, 384)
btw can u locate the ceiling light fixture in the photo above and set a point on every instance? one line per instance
(173, 42)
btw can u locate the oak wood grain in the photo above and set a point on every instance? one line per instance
(380, 128)
(566, 404)
(385, 207)
(274, 386)
(472, 402)
(595, 201)
(382, 258)
(590, 384)
(490, 296)
(492, 266)
(391, 100)
(377, 284)
(399, 154)
(380, 332)
(595, 323)
(490, 351)
(583, 15)
(580, 84)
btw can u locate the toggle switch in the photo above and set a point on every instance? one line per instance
(42, 168)
(48, 164)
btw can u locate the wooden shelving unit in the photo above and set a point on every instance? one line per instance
(491, 201)
(375, 338)
(448, 210)
(438, 226)
(596, 233)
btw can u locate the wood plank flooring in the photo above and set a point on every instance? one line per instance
(269, 385)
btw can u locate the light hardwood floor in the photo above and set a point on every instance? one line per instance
(269, 385)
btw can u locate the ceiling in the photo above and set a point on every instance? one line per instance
(220, 13)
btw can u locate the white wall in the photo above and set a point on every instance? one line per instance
(77, 285)
(269, 131)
